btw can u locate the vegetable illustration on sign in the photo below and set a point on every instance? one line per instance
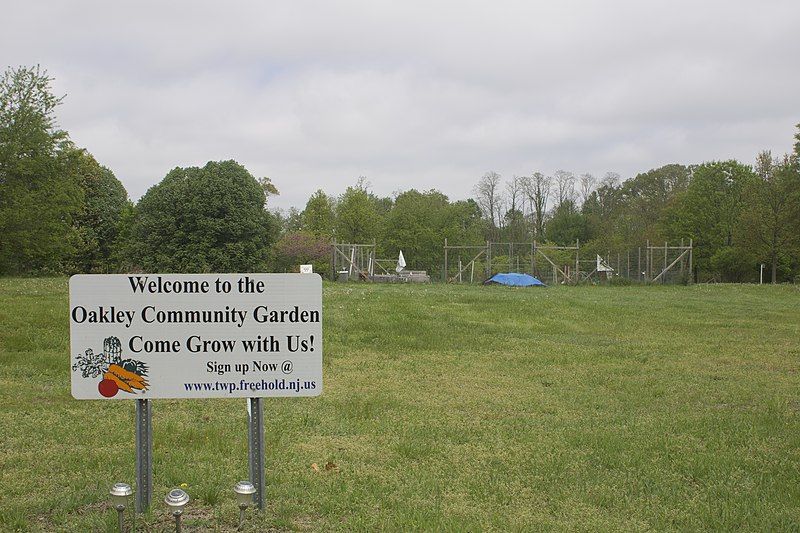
(118, 374)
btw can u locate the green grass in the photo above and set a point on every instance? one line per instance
(446, 408)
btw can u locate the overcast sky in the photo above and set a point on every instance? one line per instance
(413, 94)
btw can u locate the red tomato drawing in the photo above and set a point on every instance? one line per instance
(108, 388)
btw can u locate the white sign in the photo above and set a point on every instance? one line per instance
(401, 263)
(306, 269)
(195, 335)
(602, 266)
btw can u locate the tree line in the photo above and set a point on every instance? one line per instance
(737, 216)
(63, 212)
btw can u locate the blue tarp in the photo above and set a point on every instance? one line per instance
(515, 280)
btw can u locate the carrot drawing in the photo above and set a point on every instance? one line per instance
(121, 383)
(129, 375)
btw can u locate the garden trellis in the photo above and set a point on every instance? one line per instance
(474, 263)
(352, 261)
(651, 263)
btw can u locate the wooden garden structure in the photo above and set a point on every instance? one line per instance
(352, 261)
(358, 262)
(550, 263)
(652, 263)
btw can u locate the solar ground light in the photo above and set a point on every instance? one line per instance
(177, 500)
(244, 496)
(119, 499)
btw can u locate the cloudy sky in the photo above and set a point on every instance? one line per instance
(413, 94)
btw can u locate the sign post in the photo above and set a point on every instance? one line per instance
(144, 455)
(255, 441)
(150, 336)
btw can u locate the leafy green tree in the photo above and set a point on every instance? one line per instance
(734, 264)
(290, 221)
(465, 223)
(318, 216)
(383, 204)
(123, 251)
(567, 224)
(513, 223)
(709, 212)
(415, 225)
(209, 219)
(625, 215)
(515, 226)
(97, 222)
(606, 220)
(419, 222)
(39, 196)
(771, 214)
(647, 196)
(357, 219)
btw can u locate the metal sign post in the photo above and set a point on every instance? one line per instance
(255, 440)
(144, 455)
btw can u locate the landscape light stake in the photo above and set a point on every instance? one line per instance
(119, 499)
(177, 500)
(244, 496)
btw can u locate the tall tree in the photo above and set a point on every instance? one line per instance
(607, 223)
(209, 219)
(416, 225)
(585, 186)
(566, 224)
(625, 215)
(357, 219)
(514, 217)
(647, 197)
(465, 223)
(771, 215)
(97, 222)
(420, 221)
(318, 216)
(565, 186)
(123, 252)
(537, 189)
(709, 211)
(292, 221)
(39, 196)
(611, 180)
(488, 196)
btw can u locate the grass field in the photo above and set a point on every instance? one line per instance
(446, 408)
